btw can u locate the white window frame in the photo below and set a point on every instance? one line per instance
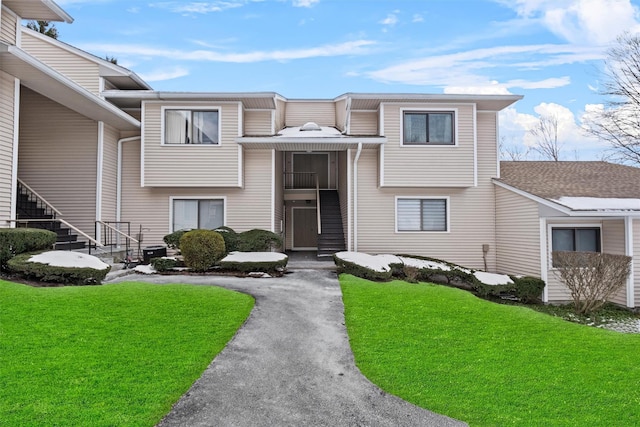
(447, 200)
(453, 111)
(173, 198)
(191, 108)
(550, 228)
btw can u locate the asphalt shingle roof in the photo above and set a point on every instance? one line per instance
(552, 180)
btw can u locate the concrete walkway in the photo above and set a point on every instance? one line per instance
(290, 364)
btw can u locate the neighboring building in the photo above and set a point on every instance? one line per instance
(574, 206)
(395, 173)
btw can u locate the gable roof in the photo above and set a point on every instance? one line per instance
(578, 186)
(45, 10)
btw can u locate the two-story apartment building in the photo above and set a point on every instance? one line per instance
(379, 173)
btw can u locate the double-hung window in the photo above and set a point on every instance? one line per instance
(192, 214)
(422, 214)
(191, 127)
(428, 128)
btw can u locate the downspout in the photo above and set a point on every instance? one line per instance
(355, 197)
(119, 175)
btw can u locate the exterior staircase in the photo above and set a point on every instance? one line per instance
(331, 238)
(31, 207)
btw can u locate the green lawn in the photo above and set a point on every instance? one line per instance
(111, 355)
(490, 364)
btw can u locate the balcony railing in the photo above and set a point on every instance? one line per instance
(300, 180)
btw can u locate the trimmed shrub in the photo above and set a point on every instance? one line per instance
(14, 241)
(164, 263)
(249, 266)
(231, 238)
(201, 249)
(173, 240)
(357, 270)
(258, 241)
(21, 265)
(528, 289)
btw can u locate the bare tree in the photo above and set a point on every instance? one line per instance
(513, 152)
(619, 122)
(546, 131)
(44, 27)
(592, 277)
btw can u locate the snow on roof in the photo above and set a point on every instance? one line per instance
(69, 259)
(599, 204)
(299, 132)
(254, 257)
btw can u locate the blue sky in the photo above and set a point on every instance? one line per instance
(550, 51)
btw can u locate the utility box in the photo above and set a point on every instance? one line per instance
(151, 252)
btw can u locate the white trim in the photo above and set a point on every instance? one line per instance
(18, 30)
(191, 108)
(293, 235)
(544, 264)
(355, 197)
(448, 214)
(530, 196)
(143, 121)
(381, 166)
(349, 192)
(628, 250)
(381, 109)
(14, 154)
(207, 197)
(273, 191)
(240, 166)
(101, 87)
(419, 109)
(475, 144)
(99, 174)
(558, 223)
(497, 117)
(240, 121)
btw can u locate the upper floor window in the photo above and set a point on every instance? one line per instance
(428, 128)
(422, 214)
(191, 127)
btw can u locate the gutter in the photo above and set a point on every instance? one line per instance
(119, 174)
(355, 198)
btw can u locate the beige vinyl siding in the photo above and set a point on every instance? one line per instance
(517, 234)
(428, 166)
(613, 242)
(7, 99)
(341, 114)
(57, 157)
(281, 112)
(321, 112)
(190, 165)
(81, 70)
(8, 26)
(109, 173)
(364, 123)
(471, 213)
(257, 123)
(246, 208)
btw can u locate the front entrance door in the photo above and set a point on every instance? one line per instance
(317, 163)
(305, 229)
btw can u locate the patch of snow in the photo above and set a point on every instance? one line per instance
(145, 269)
(378, 263)
(423, 263)
(297, 132)
(254, 257)
(259, 275)
(492, 278)
(599, 204)
(69, 259)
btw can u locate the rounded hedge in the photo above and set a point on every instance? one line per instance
(14, 241)
(201, 249)
(21, 264)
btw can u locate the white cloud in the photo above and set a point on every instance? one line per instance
(356, 47)
(417, 18)
(390, 20)
(595, 22)
(304, 3)
(515, 128)
(197, 7)
(164, 74)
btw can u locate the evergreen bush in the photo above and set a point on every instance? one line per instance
(21, 265)
(14, 241)
(201, 249)
(257, 240)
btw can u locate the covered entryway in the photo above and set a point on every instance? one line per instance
(311, 163)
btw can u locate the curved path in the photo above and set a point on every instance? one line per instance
(290, 364)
